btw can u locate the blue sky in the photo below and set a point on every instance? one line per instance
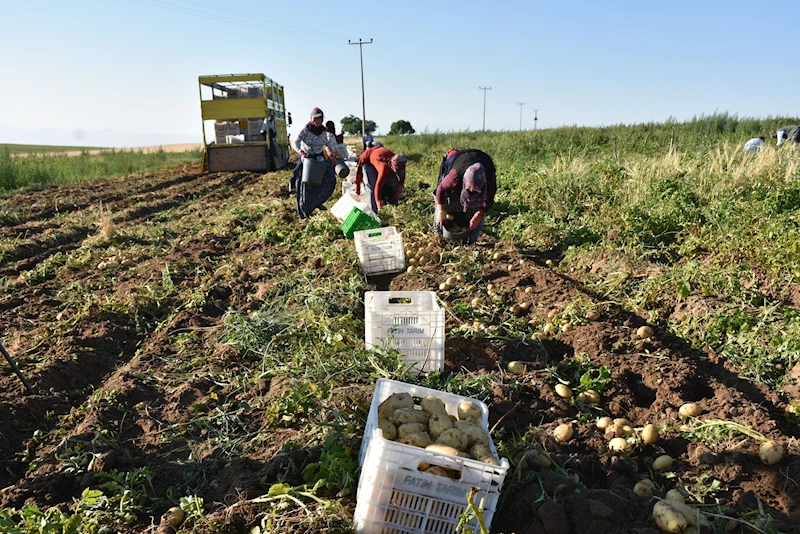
(124, 72)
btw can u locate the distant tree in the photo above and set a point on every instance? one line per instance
(401, 127)
(351, 125)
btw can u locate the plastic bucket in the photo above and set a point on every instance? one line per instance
(313, 171)
(342, 170)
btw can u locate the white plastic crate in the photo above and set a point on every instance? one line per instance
(394, 496)
(380, 251)
(410, 322)
(341, 209)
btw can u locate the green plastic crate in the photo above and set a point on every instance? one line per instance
(358, 220)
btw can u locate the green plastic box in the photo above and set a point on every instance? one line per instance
(358, 220)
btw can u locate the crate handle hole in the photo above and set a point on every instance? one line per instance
(399, 300)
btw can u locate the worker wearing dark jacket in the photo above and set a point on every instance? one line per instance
(467, 186)
(789, 133)
(386, 176)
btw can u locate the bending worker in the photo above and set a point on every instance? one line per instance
(386, 176)
(467, 186)
(789, 133)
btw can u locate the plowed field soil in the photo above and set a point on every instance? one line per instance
(113, 301)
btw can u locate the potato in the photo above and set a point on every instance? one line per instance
(771, 452)
(650, 434)
(173, 517)
(433, 405)
(563, 433)
(388, 428)
(420, 439)
(393, 402)
(618, 444)
(662, 463)
(517, 368)
(438, 424)
(479, 450)
(475, 434)
(443, 449)
(402, 416)
(563, 391)
(690, 409)
(453, 438)
(468, 410)
(593, 315)
(644, 332)
(604, 423)
(621, 421)
(436, 470)
(644, 488)
(534, 459)
(692, 517)
(410, 428)
(591, 396)
(668, 518)
(674, 495)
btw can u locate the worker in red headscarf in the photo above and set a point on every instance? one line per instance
(386, 176)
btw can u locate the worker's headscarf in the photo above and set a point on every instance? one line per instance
(473, 189)
(316, 130)
(398, 165)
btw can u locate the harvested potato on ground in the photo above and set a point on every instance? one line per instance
(517, 368)
(173, 517)
(411, 428)
(690, 409)
(771, 452)
(420, 439)
(668, 518)
(388, 428)
(402, 416)
(604, 422)
(393, 402)
(563, 433)
(453, 438)
(433, 405)
(662, 463)
(468, 410)
(674, 495)
(693, 517)
(474, 433)
(534, 459)
(644, 488)
(563, 391)
(650, 434)
(618, 444)
(438, 424)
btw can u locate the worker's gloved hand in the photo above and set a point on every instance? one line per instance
(476, 220)
(303, 154)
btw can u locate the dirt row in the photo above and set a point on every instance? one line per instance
(126, 341)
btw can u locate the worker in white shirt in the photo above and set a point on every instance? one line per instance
(789, 133)
(754, 144)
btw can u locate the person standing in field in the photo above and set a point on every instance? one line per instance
(754, 144)
(311, 142)
(790, 133)
(367, 138)
(386, 176)
(466, 189)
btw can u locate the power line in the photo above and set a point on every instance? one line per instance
(484, 89)
(361, 44)
(520, 104)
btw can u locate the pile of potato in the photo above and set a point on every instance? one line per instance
(429, 426)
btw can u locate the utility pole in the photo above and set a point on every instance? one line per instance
(484, 89)
(520, 104)
(535, 118)
(363, 104)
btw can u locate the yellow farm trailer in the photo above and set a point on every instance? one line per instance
(244, 139)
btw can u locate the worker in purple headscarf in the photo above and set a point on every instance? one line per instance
(466, 190)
